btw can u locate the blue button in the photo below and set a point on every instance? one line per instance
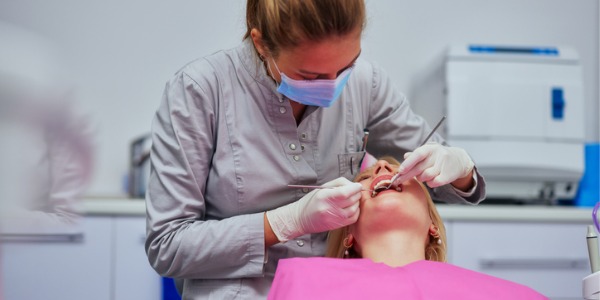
(558, 104)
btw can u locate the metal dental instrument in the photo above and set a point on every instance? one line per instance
(317, 187)
(433, 130)
(397, 179)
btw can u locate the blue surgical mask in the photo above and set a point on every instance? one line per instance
(318, 92)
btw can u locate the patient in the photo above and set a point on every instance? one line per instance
(397, 250)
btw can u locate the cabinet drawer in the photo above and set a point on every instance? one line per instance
(59, 266)
(550, 258)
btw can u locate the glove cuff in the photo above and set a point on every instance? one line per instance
(466, 161)
(282, 224)
(468, 166)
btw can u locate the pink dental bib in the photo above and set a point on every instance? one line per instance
(331, 278)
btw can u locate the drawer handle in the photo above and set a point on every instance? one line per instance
(43, 238)
(534, 263)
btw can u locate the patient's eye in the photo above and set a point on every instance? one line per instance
(363, 177)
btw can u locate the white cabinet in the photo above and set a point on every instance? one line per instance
(59, 266)
(551, 258)
(106, 261)
(133, 276)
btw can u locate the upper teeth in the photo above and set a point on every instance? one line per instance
(380, 186)
(384, 185)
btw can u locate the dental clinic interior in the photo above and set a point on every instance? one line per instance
(517, 80)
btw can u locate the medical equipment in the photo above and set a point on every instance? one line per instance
(591, 283)
(518, 111)
(595, 215)
(592, 242)
(591, 286)
(397, 179)
(139, 166)
(588, 193)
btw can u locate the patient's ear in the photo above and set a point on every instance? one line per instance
(433, 230)
(349, 240)
(347, 243)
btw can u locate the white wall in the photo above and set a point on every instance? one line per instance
(122, 52)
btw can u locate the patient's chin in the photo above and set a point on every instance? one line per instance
(389, 225)
(390, 217)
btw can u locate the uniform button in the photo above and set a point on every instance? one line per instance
(305, 190)
(282, 110)
(296, 157)
(303, 135)
(293, 146)
(302, 147)
(300, 243)
(280, 100)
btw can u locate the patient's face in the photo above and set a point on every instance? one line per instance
(391, 209)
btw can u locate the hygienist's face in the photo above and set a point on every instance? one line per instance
(315, 60)
(390, 209)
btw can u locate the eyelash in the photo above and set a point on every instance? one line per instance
(317, 77)
(310, 78)
(361, 178)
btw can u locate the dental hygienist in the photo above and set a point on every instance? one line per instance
(287, 106)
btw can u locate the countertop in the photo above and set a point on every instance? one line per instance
(482, 212)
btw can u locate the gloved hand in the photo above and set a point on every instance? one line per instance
(318, 211)
(436, 164)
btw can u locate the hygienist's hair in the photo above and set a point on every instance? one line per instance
(433, 250)
(285, 24)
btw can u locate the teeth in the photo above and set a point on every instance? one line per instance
(383, 183)
(381, 186)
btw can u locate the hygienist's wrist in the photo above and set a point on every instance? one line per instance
(465, 183)
(270, 237)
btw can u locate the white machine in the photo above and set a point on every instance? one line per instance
(518, 111)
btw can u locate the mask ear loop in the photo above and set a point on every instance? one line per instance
(275, 64)
(264, 59)
(271, 71)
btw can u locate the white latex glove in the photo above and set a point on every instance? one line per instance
(318, 211)
(436, 164)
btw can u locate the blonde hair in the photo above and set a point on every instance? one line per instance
(433, 250)
(286, 23)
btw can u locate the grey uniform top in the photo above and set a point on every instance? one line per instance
(226, 144)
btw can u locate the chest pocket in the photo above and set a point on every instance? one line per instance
(349, 164)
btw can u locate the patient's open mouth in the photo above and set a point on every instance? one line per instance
(382, 185)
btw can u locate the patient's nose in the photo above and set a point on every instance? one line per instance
(382, 167)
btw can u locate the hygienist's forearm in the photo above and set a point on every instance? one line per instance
(270, 237)
(465, 183)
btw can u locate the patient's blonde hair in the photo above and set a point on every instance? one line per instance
(433, 250)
